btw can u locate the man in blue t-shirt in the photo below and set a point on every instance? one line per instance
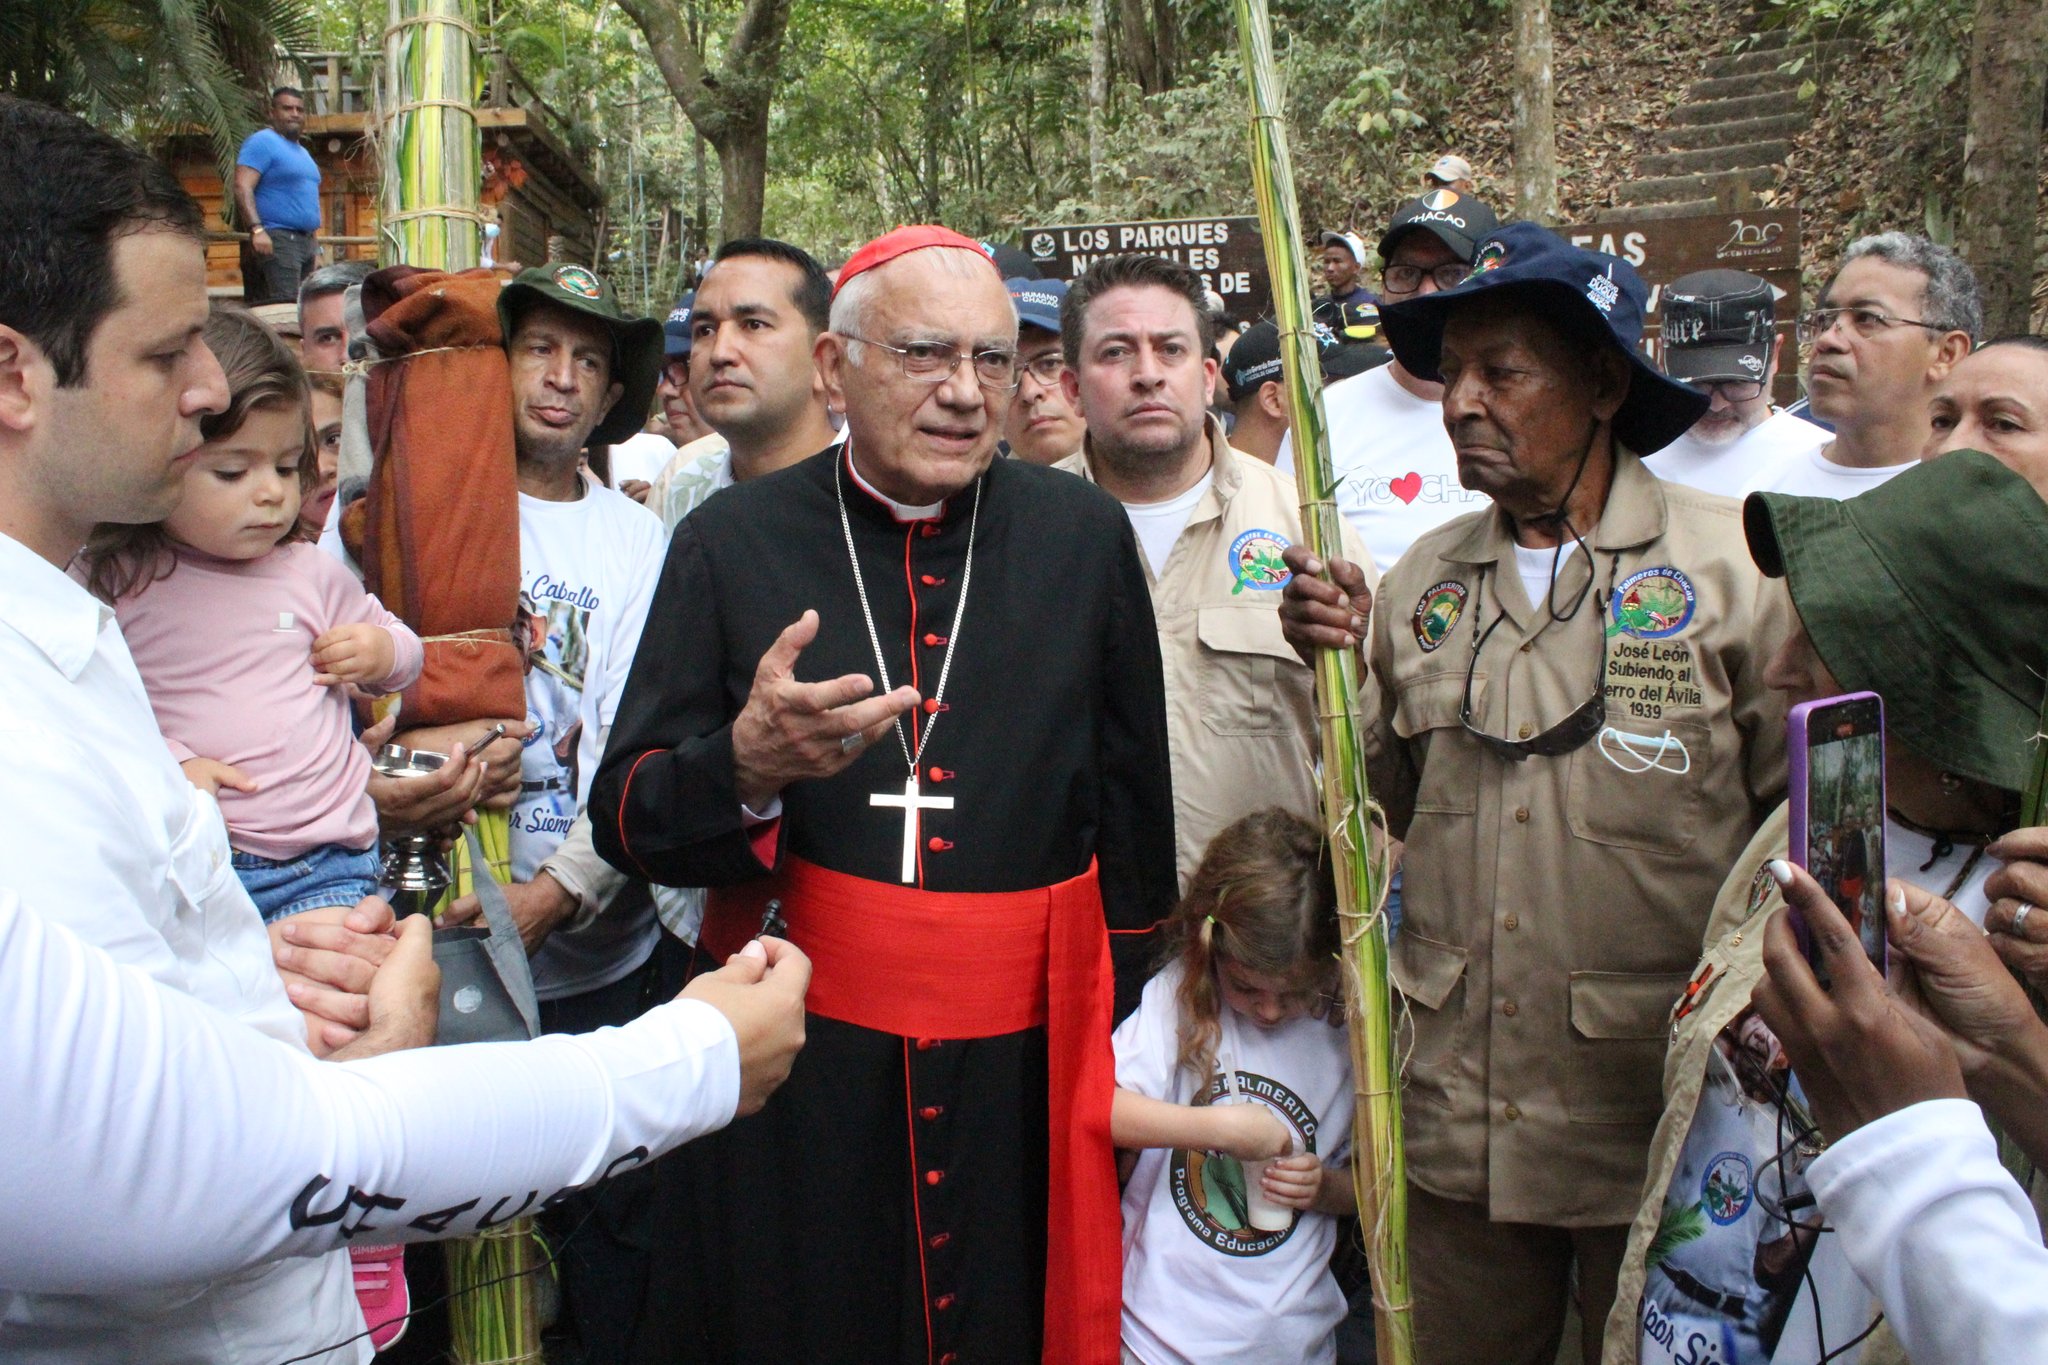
(277, 192)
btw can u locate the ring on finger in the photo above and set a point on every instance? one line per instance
(854, 742)
(2019, 920)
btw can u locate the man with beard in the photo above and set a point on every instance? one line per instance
(1213, 523)
(1719, 337)
(953, 846)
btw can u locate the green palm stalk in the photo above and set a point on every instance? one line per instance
(431, 153)
(1359, 855)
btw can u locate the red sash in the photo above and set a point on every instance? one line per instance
(962, 965)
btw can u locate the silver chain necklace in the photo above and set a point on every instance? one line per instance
(910, 802)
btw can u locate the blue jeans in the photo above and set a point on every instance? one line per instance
(327, 875)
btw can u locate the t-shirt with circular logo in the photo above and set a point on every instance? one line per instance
(1201, 1285)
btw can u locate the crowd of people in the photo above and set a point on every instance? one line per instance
(948, 909)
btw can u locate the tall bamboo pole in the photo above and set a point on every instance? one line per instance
(1379, 1170)
(427, 130)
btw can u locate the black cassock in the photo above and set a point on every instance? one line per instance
(807, 1233)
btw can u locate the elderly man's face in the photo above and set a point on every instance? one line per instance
(921, 442)
(562, 382)
(1522, 403)
(1996, 401)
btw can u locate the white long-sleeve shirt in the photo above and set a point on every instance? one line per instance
(1941, 1234)
(152, 1142)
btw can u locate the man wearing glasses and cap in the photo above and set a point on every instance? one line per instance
(1396, 474)
(1719, 338)
(1569, 727)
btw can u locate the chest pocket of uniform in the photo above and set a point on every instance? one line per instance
(1618, 1037)
(1430, 975)
(1244, 662)
(1638, 784)
(1427, 710)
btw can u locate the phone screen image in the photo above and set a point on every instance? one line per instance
(1839, 791)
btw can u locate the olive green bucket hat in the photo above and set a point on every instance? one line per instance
(1927, 590)
(636, 341)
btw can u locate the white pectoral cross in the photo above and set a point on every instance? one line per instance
(911, 803)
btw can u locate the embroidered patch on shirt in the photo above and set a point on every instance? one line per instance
(1437, 612)
(1256, 564)
(1652, 603)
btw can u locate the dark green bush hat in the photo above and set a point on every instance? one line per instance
(636, 342)
(1928, 591)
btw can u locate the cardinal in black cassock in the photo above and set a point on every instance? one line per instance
(934, 1182)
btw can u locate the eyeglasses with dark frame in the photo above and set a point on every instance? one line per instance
(933, 362)
(1730, 390)
(1406, 279)
(1576, 730)
(1045, 369)
(1865, 322)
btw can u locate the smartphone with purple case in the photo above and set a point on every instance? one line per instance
(1836, 749)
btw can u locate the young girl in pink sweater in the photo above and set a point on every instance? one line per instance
(248, 639)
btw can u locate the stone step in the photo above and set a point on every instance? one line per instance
(1754, 83)
(1677, 208)
(1690, 137)
(1771, 59)
(1660, 189)
(1726, 157)
(1740, 107)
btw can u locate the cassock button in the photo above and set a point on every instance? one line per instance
(927, 1044)
(932, 706)
(932, 641)
(940, 774)
(943, 1302)
(950, 1358)
(939, 1239)
(931, 1111)
(934, 1177)
(930, 582)
(938, 845)
(929, 529)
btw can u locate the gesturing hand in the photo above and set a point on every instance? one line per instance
(1860, 1052)
(789, 731)
(1323, 614)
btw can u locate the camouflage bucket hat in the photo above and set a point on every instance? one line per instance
(636, 341)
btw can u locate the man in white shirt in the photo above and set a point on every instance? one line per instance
(1397, 475)
(1895, 319)
(103, 379)
(753, 325)
(1719, 337)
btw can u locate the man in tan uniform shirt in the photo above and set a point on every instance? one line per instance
(1574, 763)
(1213, 523)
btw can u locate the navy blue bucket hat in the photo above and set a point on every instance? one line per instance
(1601, 295)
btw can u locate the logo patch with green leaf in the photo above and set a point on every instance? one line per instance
(1255, 562)
(1652, 603)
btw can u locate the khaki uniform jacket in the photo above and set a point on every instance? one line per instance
(1240, 703)
(1553, 908)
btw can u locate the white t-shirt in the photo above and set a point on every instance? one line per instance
(1202, 1287)
(1397, 473)
(587, 572)
(1534, 566)
(1816, 476)
(1765, 451)
(642, 456)
(1159, 524)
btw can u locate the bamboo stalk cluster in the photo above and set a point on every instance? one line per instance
(1357, 850)
(430, 147)
(494, 1316)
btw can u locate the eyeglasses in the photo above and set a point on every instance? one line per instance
(1575, 731)
(1406, 279)
(1864, 322)
(933, 362)
(677, 373)
(1045, 369)
(1733, 390)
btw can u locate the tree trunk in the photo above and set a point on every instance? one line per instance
(1098, 89)
(2002, 157)
(1138, 49)
(743, 177)
(1535, 115)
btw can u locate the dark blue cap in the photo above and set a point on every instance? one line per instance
(1038, 302)
(675, 332)
(1601, 295)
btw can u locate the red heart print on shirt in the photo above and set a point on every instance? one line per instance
(1407, 488)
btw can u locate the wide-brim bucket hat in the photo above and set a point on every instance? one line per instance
(636, 341)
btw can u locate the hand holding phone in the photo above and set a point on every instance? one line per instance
(1838, 808)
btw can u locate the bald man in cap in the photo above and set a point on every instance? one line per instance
(906, 700)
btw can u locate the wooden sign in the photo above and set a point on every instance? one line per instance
(1228, 253)
(1764, 243)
